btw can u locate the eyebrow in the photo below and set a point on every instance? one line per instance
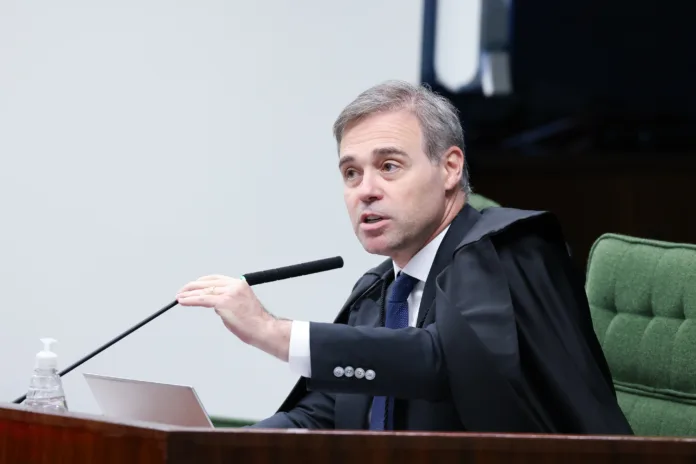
(376, 153)
(385, 151)
(345, 160)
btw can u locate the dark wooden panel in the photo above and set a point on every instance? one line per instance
(72, 438)
(28, 437)
(647, 197)
(404, 448)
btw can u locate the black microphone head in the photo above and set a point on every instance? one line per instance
(326, 264)
(295, 270)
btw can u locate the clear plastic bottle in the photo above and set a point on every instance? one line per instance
(45, 386)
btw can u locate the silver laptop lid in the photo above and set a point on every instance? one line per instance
(148, 401)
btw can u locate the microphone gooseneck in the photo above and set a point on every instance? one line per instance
(254, 278)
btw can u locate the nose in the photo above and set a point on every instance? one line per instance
(370, 189)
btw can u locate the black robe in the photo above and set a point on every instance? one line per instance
(504, 338)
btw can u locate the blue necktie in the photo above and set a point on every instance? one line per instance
(396, 318)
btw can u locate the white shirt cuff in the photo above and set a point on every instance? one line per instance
(299, 358)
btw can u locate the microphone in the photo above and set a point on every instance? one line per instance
(253, 278)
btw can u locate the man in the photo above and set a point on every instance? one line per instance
(476, 321)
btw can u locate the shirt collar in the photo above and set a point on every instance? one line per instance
(419, 266)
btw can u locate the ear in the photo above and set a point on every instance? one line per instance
(452, 164)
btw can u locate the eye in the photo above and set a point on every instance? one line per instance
(389, 166)
(350, 173)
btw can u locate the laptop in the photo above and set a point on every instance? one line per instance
(141, 400)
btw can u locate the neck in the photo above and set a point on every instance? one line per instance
(452, 208)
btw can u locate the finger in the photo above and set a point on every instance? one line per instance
(201, 291)
(200, 284)
(214, 277)
(194, 292)
(202, 300)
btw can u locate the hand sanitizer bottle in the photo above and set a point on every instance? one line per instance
(45, 387)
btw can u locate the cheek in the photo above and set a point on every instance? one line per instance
(417, 190)
(420, 197)
(351, 202)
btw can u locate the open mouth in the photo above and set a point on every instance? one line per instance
(372, 219)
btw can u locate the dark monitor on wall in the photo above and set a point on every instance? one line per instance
(574, 75)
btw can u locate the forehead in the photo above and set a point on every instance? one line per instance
(394, 129)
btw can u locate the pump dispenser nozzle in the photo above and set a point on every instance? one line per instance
(47, 359)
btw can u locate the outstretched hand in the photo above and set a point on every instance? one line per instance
(240, 311)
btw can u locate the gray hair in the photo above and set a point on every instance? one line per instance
(437, 116)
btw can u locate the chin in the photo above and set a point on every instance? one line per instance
(377, 246)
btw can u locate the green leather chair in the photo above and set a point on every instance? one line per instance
(642, 296)
(480, 202)
(224, 422)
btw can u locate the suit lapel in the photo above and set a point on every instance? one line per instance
(461, 224)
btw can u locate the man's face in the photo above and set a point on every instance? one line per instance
(394, 194)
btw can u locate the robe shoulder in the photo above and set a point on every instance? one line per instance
(517, 332)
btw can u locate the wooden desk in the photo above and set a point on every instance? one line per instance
(28, 437)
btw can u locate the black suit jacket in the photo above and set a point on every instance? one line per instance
(504, 342)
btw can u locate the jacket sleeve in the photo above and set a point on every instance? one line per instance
(377, 361)
(314, 411)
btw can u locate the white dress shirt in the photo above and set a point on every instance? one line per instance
(299, 358)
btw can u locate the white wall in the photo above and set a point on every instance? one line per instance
(145, 143)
